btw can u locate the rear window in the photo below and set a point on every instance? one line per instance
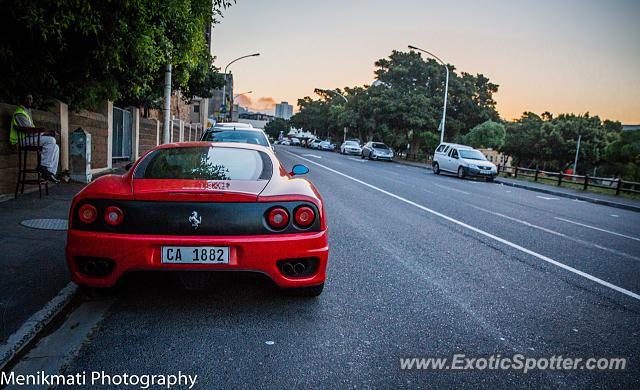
(245, 136)
(205, 163)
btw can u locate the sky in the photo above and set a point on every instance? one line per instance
(563, 56)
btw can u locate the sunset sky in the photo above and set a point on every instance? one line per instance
(559, 56)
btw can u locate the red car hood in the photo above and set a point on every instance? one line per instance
(198, 190)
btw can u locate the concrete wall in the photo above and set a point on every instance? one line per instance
(9, 153)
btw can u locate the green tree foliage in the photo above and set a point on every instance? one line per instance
(550, 143)
(489, 134)
(403, 107)
(275, 126)
(623, 156)
(83, 51)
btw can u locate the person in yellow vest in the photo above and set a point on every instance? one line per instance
(50, 150)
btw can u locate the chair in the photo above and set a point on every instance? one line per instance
(29, 142)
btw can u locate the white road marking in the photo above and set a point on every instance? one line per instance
(482, 232)
(615, 215)
(579, 201)
(358, 159)
(597, 228)
(310, 155)
(546, 197)
(564, 236)
(452, 189)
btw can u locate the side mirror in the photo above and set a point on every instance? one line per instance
(128, 166)
(299, 169)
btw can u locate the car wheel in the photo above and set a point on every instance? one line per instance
(309, 292)
(436, 168)
(362, 156)
(461, 173)
(490, 178)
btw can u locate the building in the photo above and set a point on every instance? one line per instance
(630, 127)
(255, 119)
(496, 157)
(284, 110)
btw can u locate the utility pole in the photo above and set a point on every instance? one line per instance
(575, 162)
(166, 110)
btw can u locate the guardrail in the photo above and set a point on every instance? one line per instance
(614, 184)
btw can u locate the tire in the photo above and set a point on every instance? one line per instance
(436, 168)
(362, 156)
(308, 292)
(490, 178)
(461, 173)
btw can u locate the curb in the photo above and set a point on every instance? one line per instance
(412, 164)
(35, 324)
(571, 196)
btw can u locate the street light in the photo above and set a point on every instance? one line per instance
(224, 88)
(446, 89)
(243, 93)
(344, 135)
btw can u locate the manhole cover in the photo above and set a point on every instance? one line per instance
(46, 224)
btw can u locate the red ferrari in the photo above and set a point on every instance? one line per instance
(201, 206)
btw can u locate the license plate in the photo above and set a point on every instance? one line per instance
(195, 255)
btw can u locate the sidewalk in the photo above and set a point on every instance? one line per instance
(32, 261)
(607, 200)
(592, 197)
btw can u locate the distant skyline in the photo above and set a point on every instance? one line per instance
(560, 56)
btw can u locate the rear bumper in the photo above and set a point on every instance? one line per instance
(247, 253)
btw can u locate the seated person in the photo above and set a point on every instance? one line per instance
(50, 150)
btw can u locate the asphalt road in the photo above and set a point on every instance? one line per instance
(420, 266)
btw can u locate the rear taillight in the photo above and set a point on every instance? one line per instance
(278, 218)
(87, 213)
(304, 216)
(113, 216)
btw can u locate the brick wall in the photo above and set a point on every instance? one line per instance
(96, 125)
(9, 153)
(148, 135)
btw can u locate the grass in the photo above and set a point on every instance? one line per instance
(553, 181)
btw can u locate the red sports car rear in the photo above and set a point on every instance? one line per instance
(203, 207)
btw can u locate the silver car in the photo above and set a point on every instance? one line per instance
(350, 147)
(377, 151)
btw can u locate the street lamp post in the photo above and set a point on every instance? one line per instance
(224, 88)
(446, 89)
(344, 134)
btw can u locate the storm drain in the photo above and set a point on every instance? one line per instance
(45, 224)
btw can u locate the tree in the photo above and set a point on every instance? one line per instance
(85, 51)
(275, 126)
(404, 106)
(489, 134)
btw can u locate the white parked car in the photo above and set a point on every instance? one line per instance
(326, 145)
(462, 160)
(295, 141)
(315, 143)
(350, 147)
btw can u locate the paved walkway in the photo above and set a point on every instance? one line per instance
(32, 261)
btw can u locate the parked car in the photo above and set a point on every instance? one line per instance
(377, 151)
(314, 144)
(350, 147)
(247, 135)
(285, 142)
(326, 145)
(463, 161)
(295, 141)
(201, 206)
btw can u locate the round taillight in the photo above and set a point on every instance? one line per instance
(304, 216)
(113, 216)
(278, 218)
(87, 213)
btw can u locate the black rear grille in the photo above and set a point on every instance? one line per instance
(173, 218)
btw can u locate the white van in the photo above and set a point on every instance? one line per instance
(462, 160)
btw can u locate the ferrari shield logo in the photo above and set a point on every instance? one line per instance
(195, 219)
